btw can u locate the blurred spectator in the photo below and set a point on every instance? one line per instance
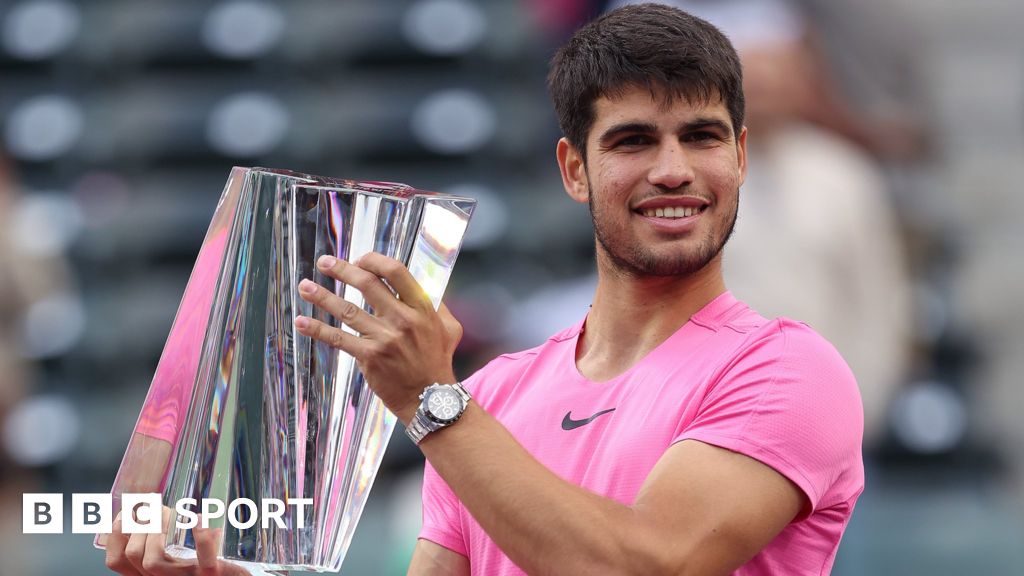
(15, 372)
(15, 294)
(559, 18)
(26, 278)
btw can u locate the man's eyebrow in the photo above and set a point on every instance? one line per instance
(705, 124)
(700, 123)
(626, 127)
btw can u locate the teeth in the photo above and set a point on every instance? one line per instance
(671, 212)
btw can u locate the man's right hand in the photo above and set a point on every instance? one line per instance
(144, 554)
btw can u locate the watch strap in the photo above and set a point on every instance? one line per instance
(463, 393)
(418, 427)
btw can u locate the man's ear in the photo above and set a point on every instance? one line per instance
(741, 154)
(574, 171)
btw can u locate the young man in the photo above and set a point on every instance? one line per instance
(671, 431)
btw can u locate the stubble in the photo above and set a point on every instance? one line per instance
(639, 261)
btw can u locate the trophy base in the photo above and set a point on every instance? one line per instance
(257, 569)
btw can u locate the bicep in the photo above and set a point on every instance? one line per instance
(715, 508)
(431, 559)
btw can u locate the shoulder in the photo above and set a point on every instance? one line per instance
(783, 343)
(800, 352)
(787, 398)
(508, 368)
(789, 372)
(802, 380)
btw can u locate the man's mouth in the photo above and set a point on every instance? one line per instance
(672, 211)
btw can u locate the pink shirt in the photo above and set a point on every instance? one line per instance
(773, 390)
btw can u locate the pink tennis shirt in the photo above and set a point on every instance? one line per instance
(771, 389)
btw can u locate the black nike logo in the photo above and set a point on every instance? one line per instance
(569, 424)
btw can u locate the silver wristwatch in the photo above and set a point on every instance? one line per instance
(440, 406)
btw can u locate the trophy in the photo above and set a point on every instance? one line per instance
(243, 408)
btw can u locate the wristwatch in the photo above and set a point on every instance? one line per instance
(440, 406)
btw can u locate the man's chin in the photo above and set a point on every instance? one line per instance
(654, 265)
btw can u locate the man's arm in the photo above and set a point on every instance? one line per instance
(702, 510)
(430, 559)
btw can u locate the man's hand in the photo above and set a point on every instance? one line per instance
(403, 347)
(144, 554)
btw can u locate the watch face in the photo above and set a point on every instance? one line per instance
(444, 405)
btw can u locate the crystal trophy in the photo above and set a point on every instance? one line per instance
(242, 406)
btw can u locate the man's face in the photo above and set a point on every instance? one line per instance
(662, 181)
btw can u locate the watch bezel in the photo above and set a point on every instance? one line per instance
(448, 389)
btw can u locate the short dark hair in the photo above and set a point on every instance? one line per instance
(654, 46)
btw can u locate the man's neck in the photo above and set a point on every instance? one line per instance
(632, 315)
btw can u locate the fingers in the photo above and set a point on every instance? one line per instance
(374, 291)
(146, 555)
(135, 552)
(117, 542)
(156, 562)
(207, 548)
(147, 552)
(334, 337)
(342, 309)
(409, 290)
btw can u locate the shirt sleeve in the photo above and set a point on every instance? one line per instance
(442, 519)
(790, 402)
(441, 522)
(445, 521)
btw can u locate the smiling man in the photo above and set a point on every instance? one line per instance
(673, 430)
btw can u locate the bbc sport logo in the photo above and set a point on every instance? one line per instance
(93, 513)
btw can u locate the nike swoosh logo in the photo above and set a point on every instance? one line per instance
(569, 424)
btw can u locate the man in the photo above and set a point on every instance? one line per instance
(671, 431)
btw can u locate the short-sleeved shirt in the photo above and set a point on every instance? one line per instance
(773, 390)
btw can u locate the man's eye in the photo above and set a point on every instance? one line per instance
(700, 136)
(636, 140)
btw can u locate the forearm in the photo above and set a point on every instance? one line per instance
(543, 523)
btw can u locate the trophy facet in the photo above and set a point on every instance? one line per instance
(242, 406)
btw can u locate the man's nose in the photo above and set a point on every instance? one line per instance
(672, 167)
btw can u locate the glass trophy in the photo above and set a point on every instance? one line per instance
(242, 406)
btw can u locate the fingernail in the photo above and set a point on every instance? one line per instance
(301, 322)
(307, 287)
(326, 261)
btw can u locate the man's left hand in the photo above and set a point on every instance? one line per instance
(403, 347)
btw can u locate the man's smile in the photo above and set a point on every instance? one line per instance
(672, 212)
(671, 207)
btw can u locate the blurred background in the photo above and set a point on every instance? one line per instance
(886, 148)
